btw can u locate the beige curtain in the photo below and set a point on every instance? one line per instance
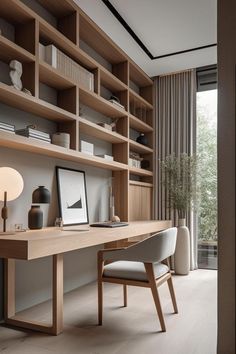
(175, 129)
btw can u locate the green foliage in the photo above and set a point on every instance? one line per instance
(179, 180)
(207, 169)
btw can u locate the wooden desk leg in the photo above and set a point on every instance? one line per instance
(9, 288)
(57, 294)
(14, 319)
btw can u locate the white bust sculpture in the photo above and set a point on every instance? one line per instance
(15, 74)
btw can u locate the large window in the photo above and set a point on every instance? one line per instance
(207, 153)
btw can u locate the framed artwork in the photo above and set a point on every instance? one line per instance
(72, 196)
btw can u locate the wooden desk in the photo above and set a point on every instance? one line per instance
(54, 242)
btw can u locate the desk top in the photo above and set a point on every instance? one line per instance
(49, 241)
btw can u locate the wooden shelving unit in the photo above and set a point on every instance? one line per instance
(78, 37)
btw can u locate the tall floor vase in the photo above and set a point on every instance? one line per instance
(182, 252)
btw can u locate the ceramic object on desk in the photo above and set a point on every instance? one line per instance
(35, 218)
(182, 251)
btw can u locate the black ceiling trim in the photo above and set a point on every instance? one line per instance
(138, 40)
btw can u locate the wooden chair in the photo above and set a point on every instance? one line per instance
(139, 265)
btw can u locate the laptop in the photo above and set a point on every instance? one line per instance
(109, 224)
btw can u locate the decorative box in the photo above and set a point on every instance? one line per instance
(107, 157)
(86, 147)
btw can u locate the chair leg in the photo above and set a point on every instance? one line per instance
(155, 294)
(125, 295)
(172, 294)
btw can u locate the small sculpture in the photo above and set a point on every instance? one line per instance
(15, 74)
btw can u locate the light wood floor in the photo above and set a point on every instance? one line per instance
(131, 330)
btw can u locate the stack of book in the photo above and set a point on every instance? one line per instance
(7, 127)
(116, 103)
(34, 134)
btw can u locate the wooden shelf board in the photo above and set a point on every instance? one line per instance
(18, 142)
(112, 82)
(15, 11)
(27, 103)
(11, 51)
(140, 183)
(139, 125)
(52, 36)
(142, 149)
(91, 34)
(52, 77)
(138, 76)
(98, 132)
(137, 98)
(100, 104)
(140, 171)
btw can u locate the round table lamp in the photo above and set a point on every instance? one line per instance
(11, 187)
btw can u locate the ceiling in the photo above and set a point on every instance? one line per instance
(161, 36)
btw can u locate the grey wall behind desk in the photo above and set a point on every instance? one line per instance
(33, 278)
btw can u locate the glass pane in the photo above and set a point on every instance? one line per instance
(207, 153)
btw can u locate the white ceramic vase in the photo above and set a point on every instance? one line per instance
(182, 251)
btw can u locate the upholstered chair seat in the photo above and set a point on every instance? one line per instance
(133, 270)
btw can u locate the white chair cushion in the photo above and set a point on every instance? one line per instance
(132, 270)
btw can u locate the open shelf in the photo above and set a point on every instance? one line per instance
(99, 41)
(59, 8)
(9, 51)
(98, 132)
(100, 104)
(18, 142)
(138, 76)
(142, 149)
(139, 125)
(20, 100)
(140, 171)
(52, 77)
(111, 82)
(140, 100)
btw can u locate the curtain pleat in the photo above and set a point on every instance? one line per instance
(175, 129)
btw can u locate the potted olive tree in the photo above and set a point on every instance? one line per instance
(179, 181)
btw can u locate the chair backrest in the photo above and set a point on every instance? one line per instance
(151, 250)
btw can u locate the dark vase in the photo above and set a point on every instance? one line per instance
(35, 218)
(142, 139)
(41, 195)
(145, 164)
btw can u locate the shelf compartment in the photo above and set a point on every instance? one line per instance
(142, 149)
(111, 82)
(100, 104)
(52, 77)
(140, 171)
(10, 50)
(138, 76)
(98, 132)
(18, 142)
(27, 103)
(140, 101)
(92, 35)
(139, 125)
(50, 35)
(59, 8)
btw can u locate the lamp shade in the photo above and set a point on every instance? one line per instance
(11, 182)
(41, 195)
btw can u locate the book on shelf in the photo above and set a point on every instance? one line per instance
(39, 139)
(7, 126)
(116, 103)
(7, 130)
(28, 131)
